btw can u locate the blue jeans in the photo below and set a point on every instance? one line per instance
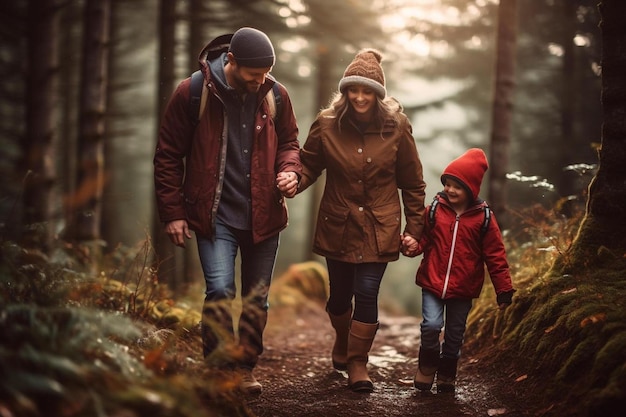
(217, 257)
(456, 311)
(361, 281)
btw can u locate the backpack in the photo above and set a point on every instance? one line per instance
(483, 228)
(198, 97)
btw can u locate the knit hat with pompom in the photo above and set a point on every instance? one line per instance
(365, 69)
(468, 169)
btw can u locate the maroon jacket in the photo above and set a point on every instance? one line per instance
(189, 164)
(455, 253)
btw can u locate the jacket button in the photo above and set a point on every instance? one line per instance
(360, 208)
(359, 150)
(258, 127)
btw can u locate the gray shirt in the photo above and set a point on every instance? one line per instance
(235, 207)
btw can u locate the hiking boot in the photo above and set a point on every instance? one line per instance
(248, 384)
(447, 374)
(426, 369)
(445, 383)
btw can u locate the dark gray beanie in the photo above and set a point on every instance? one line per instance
(252, 48)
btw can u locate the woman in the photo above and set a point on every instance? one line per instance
(365, 144)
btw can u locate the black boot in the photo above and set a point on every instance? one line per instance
(446, 375)
(426, 369)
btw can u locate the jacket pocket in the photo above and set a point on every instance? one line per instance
(330, 231)
(198, 202)
(387, 228)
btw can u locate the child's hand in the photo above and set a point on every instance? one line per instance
(505, 299)
(409, 246)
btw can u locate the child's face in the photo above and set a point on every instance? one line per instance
(457, 194)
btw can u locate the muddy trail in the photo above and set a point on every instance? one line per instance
(298, 378)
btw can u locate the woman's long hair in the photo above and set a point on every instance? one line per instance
(385, 108)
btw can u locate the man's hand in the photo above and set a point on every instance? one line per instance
(287, 183)
(178, 230)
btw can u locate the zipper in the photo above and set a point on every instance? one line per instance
(451, 257)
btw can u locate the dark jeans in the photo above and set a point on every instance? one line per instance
(456, 311)
(217, 257)
(361, 281)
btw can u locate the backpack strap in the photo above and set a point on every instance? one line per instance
(274, 101)
(431, 212)
(486, 221)
(197, 98)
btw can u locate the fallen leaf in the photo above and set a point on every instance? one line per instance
(596, 318)
(496, 411)
(549, 329)
(521, 378)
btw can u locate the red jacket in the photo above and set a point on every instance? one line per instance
(455, 254)
(189, 164)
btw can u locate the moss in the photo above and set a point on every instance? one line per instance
(580, 361)
(611, 360)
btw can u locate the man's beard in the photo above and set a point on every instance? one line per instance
(246, 87)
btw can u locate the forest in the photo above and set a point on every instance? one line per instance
(93, 292)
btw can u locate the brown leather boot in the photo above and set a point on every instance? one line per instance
(360, 341)
(341, 324)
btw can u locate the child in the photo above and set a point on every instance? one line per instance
(451, 273)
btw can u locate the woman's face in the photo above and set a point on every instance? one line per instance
(362, 100)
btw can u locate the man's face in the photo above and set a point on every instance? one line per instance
(249, 80)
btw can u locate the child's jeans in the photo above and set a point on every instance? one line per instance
(456, 311)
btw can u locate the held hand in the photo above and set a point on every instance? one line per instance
(409, 246)
(287, 183)
(178, 230)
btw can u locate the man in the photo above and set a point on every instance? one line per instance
(218, 177)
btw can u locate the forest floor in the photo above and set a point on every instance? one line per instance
(298, 378)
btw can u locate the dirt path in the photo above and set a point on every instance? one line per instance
(298, 379)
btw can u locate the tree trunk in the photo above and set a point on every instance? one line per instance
(602, 232)
(69, 70)
(502, 107)
(39, 149)
(164, 249)
(87, 202)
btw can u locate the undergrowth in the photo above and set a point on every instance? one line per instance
(564, 336)
(116, 343)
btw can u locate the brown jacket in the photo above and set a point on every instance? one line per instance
(360, 215)
(189, 164)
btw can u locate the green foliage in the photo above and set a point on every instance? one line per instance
(75, 344)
